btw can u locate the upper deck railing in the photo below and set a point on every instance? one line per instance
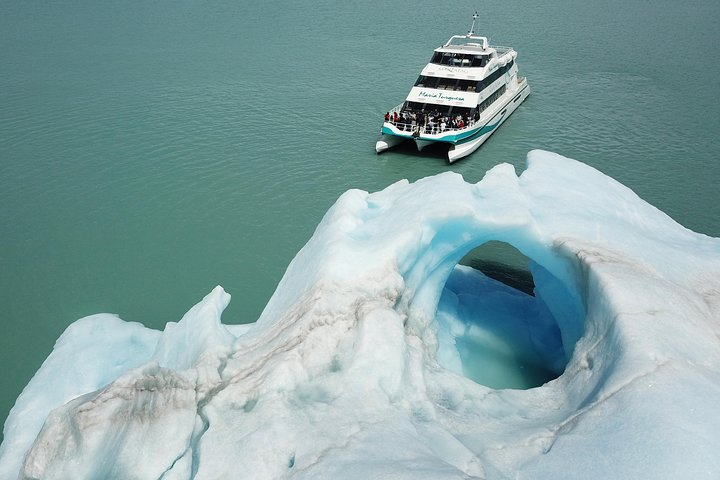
(482, 42)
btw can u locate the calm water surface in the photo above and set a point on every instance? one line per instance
(152, 150)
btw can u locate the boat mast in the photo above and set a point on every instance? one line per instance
(472, 28)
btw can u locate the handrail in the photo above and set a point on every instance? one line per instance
(483, 41)
(397, 109)
(414, 127)
(502, 50)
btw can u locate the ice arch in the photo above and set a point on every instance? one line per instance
(492, 333)
(428, 245)
(503, 335)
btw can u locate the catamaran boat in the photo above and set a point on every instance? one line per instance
(462, 96)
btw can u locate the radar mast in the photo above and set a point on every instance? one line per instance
(472, 28)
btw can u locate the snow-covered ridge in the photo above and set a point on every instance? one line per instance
(355, 367)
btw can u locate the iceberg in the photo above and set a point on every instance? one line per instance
(378, 356)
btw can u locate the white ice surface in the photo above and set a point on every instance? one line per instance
(359, 365)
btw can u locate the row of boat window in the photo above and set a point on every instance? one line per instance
(443, 83)
(488, 101)
(449, 110)
(459, 59)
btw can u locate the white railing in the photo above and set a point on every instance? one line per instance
(502, 50)
(427, 129)
(397, 109)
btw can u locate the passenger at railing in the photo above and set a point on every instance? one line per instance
(409, 120)
(430, 126)
(431, 122)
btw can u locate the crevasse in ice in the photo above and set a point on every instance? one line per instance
(358, 366)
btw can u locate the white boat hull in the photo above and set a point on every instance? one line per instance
(420, 144)
(387, 141)
(461, 150)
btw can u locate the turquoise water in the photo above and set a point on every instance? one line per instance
(151, 150)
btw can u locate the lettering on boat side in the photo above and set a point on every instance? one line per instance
(441, 96)
(454, 69)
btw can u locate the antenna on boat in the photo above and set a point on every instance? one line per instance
(472, 28)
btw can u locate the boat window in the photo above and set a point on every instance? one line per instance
(466, 85)
(442, 83)
(493, 76)
(432, 82)
(488, 101)
(413, 107)
(451, 84)
(459, 59)
(479, 60)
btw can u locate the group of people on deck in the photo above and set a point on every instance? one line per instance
(429, 122)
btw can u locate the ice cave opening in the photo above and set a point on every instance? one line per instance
(504, 321)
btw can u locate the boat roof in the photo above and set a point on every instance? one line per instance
(476, 45)
(471, 43)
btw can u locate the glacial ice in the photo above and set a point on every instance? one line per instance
(378, 356)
